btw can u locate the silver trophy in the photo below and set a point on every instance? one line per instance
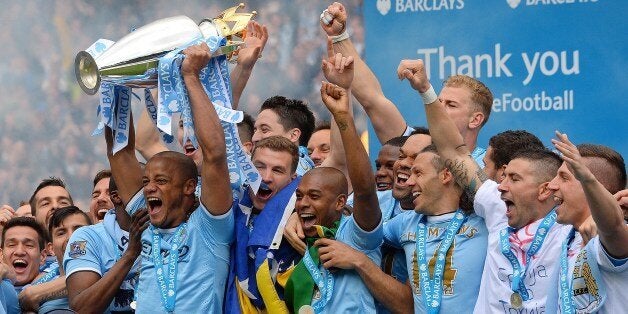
(132, 61)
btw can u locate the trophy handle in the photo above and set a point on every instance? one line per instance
(86, 71)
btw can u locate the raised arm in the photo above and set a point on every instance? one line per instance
(366, 210)
(444, 132)
(338, 70)
(384, 115)
(125, 168)
(394, 295)
(605, 210)
(147, 140)
(215, 190)
(256, 37)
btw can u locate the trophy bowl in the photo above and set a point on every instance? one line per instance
(133, 60)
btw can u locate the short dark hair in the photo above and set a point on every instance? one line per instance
(280, 144)
(544, 161)
(437, 161)
(60, 214)
(52, 181)
(397, 141)
(322, 125)
(187, 167)
(420, 130)
(292, 113)
(334, 177)
(507, 143)
(27, 222)
(612, 172)
(245, 128)
(102, 174)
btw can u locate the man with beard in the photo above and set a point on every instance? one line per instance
(524, 240)
(100, 202)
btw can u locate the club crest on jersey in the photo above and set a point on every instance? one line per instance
(77, 249)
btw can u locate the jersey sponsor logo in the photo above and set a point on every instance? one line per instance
(515, 3)
(77, 249)
(147, 250)
(402, 6)
(449, 275)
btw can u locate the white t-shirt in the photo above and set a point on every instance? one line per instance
(495, 288)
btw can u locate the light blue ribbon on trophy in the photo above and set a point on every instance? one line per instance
(433, 288)
(151, 109)
(122, 117)
(106, 91)
(518, 275)
(215, 80)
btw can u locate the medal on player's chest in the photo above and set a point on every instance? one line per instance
(516, 301)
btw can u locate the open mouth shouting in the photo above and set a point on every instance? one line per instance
(264, 192)
(308, 221)
(101, 213)
(510, 206)
(415, 196)
(20, 266)
(154, 205)
(189, 149)
(382, 185)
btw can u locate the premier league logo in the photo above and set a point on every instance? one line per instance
(77, 249)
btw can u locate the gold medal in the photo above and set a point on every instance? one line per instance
(306, 309)
(516, 301)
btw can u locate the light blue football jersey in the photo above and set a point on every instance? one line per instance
(97, 248)
(8, 298)
(203, 265)
(464, 260)
(350, 293)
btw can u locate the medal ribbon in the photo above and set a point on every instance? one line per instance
(566, 291)
(48, 276)
(518, 274)
(432, 289)
(167, 286)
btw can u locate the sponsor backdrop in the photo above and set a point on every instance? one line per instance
(551, 64)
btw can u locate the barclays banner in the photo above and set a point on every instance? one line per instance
(551, 64)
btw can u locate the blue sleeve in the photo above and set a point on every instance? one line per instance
(393, 230)
(605, 260)
(82, 253)
(364, 240)
(219, 229)
(8, 298)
